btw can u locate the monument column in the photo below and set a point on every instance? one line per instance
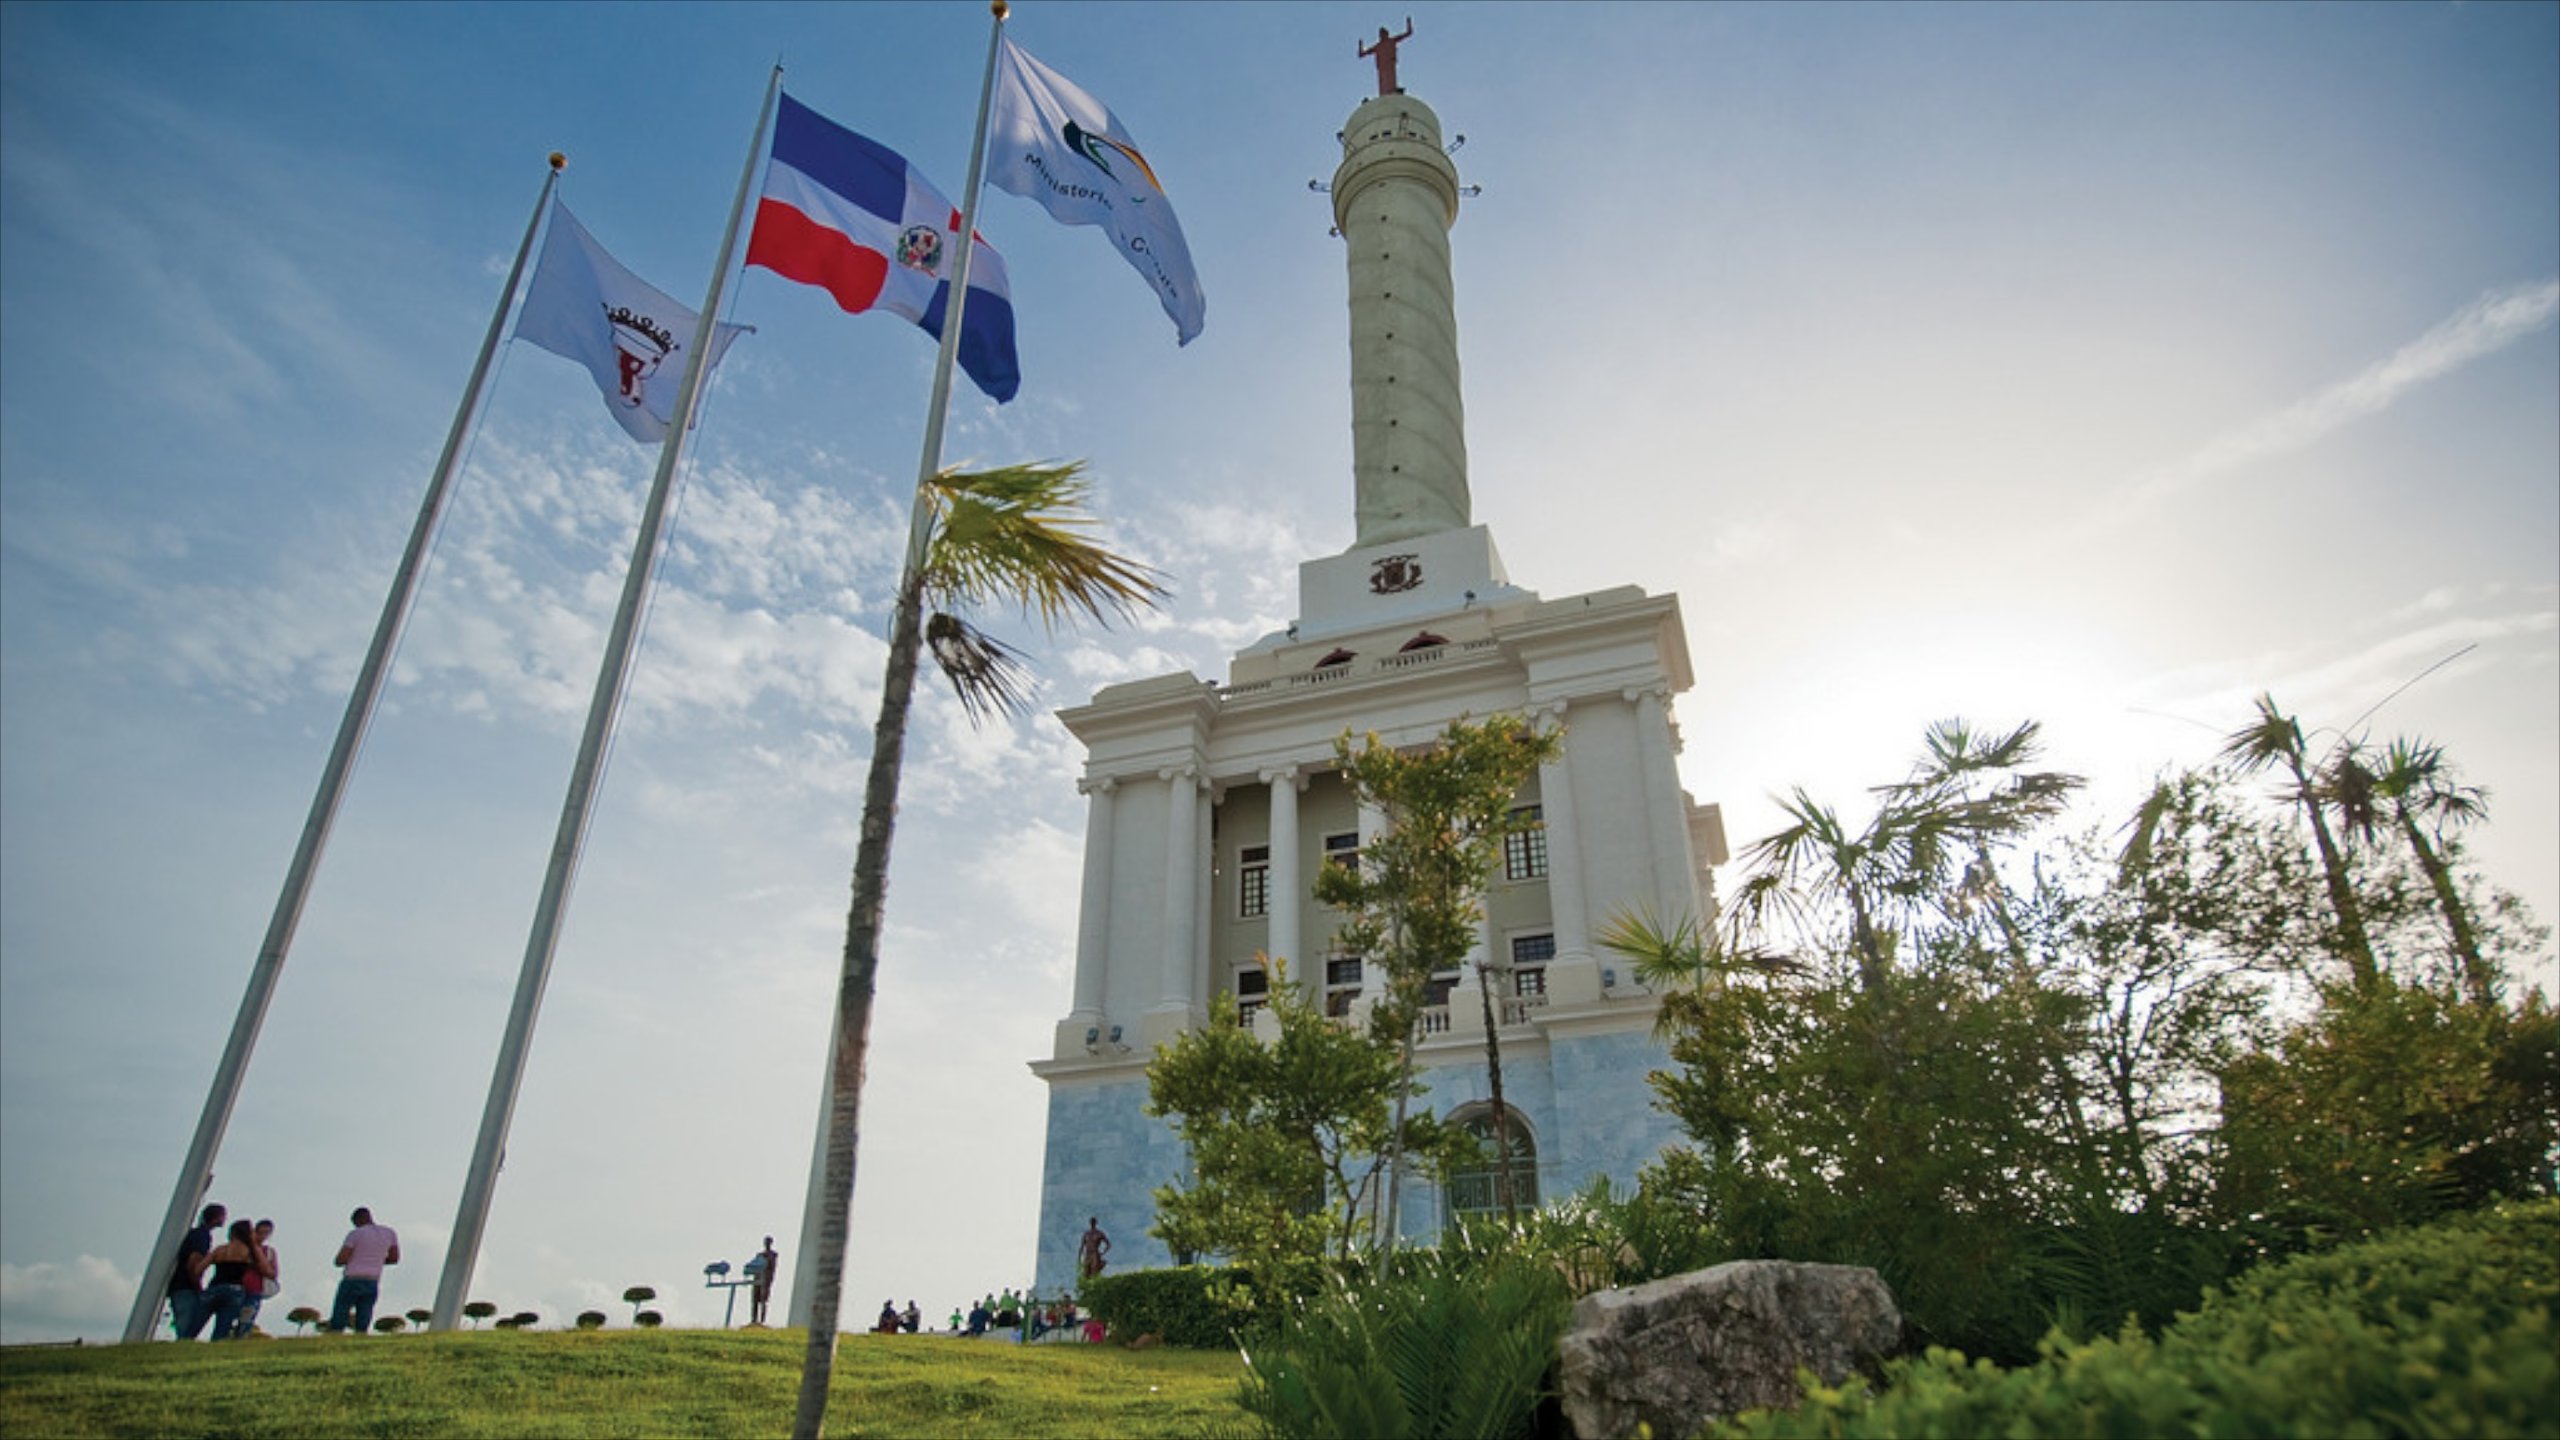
(1286, 895)
(1669, 838)
(1564, 844)
(1181, 894)
(1394, 198)
(1093, 928)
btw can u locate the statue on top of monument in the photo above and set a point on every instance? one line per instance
(1385, 50)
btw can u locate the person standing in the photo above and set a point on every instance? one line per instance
(762, 1267)
(368, 1248)
(1095, 1245)
(262, 1282)
(235, 1271)
(187, 1312)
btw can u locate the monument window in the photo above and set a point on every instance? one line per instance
(1253, 991)
(1343, 850)
(1478, 1189)
(1524, 851)
(1341, 984)
(1253, 881)
(1529, 957)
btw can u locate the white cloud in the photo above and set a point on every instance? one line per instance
(2486, 325)
(50, 1300)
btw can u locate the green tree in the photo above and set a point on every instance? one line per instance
(2395, 1104)
(479, 1310)
(1414, 901)
(2413, 790)
(302, 1317)
(590, 1319)
(637, 1296)
(1286, 1139)
(1929, 851)
(1015, 535)
(420, 1317)
(2274, 740)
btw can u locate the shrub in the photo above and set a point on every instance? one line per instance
(1182, 1303)
(2445, 1330)
(390, 1325)
(1438, 1343)
(523, 1320)
(648, 1319)
(590, 1319)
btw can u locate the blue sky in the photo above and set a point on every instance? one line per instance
(2096, 364)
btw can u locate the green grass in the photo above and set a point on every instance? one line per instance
(612, 1383)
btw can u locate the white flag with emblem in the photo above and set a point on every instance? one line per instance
(1051, 142)
(584, 306)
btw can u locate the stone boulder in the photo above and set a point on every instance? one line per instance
(1679, 1353)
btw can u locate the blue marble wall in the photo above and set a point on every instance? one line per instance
(1106, 1158)
(1584, 1097)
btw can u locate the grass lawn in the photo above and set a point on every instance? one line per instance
(619, 1382)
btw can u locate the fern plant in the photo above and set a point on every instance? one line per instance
(1435, 1344)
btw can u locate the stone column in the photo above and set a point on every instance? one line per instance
(1371, 824)
(1288, 895)
(1181, 893)
(1666, 810)
(1093, 925)
(1565, 894)
(1206, 981)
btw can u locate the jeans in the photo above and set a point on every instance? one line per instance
(188, 1312)
(356, 1294)
(224, 1301)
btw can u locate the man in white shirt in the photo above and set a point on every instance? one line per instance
(368, 1248)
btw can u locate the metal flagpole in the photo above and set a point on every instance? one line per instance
(195, 1176)
(473, 1215)
(806, 1282)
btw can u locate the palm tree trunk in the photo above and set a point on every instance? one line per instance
(1501, 1112)
(2342, 895)
(854, 989)
(2457, 916)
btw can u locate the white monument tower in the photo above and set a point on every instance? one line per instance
(1211, 805)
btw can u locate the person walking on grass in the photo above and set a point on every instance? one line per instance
(368, 1248)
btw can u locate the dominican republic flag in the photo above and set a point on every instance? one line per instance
(852, 217)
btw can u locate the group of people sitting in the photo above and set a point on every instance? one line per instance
(994, 1312)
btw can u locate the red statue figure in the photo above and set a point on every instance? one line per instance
(1385, 50)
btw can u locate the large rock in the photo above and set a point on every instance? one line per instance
(1681, 1352)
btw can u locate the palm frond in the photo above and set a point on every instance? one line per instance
(1019, 533)
(2274, 736)
(991, 677)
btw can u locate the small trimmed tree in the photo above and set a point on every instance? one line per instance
(590, 1319)
(419, 1318)
(525, 1319)
(648, 1319)
(302, 1317)
(390, 1325)
(479, 1310)
(637, 1296)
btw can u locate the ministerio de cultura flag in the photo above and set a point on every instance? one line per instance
(852, 217)
(584, 306)
(1049, 141)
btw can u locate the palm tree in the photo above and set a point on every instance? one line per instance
(2275, 739)
(1017, 534)
(1929, 846)
(2414, 787)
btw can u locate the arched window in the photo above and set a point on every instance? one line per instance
(1477, 1189)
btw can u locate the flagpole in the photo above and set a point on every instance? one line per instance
(195, 1175)
(813, 1294)
(472, 1217)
